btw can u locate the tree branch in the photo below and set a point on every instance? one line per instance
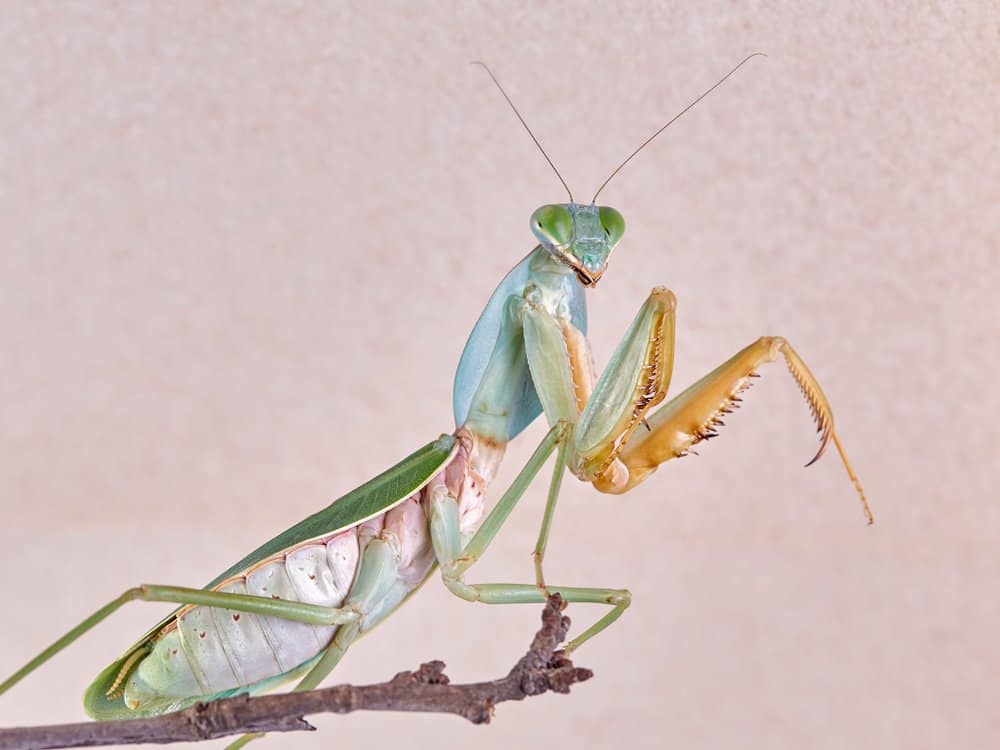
(540, 670)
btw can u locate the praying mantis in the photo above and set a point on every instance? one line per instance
(290, 609)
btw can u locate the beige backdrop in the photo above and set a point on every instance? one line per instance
(241, 246)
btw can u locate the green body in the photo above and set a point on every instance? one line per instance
(372, 499)
(526, 355)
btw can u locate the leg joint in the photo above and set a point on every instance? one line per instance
(621, 598)
(461, 589)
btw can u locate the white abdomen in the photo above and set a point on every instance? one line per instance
(205, 651)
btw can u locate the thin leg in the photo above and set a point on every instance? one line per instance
(447, 537)
(526, 593)
(377, 572)
(445, 534)
(244, 740)
(346, 635)
(311, 614)
(550, 510)
(334, 652)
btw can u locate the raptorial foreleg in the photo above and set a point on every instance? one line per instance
(696, 414)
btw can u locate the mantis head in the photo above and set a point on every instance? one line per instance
(580, 236)
(583, 236)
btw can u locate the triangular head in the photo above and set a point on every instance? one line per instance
(582, 237)
(494, 393)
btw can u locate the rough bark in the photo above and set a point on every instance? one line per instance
(540, 670)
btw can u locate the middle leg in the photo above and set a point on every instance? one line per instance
(456, 560)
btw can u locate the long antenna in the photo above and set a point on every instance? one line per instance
(490, 72)
(670, 122)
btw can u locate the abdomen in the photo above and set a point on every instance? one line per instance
(208, 652)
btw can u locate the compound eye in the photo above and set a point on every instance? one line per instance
(613, 224)
(553, 226)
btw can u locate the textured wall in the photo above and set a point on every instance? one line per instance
(241, 246)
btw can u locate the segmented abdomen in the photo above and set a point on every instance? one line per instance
(205, 651)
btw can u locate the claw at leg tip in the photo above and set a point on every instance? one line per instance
(824, 442)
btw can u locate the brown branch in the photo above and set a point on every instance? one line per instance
(427, 690)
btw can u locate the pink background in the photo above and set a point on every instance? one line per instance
(241, 246)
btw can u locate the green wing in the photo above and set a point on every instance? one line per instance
(373, 498)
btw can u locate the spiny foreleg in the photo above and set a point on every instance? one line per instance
(696, 414)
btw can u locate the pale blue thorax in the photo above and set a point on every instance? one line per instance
(494, 394)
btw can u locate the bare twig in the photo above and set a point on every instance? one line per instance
(426, 690)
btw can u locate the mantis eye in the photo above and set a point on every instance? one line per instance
(553, 226)
(613, 224)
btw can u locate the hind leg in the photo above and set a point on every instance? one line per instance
(297, 611)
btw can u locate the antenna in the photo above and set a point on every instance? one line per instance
(490, 72)
(669, 122)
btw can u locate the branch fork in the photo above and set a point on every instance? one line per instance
(544, 668)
